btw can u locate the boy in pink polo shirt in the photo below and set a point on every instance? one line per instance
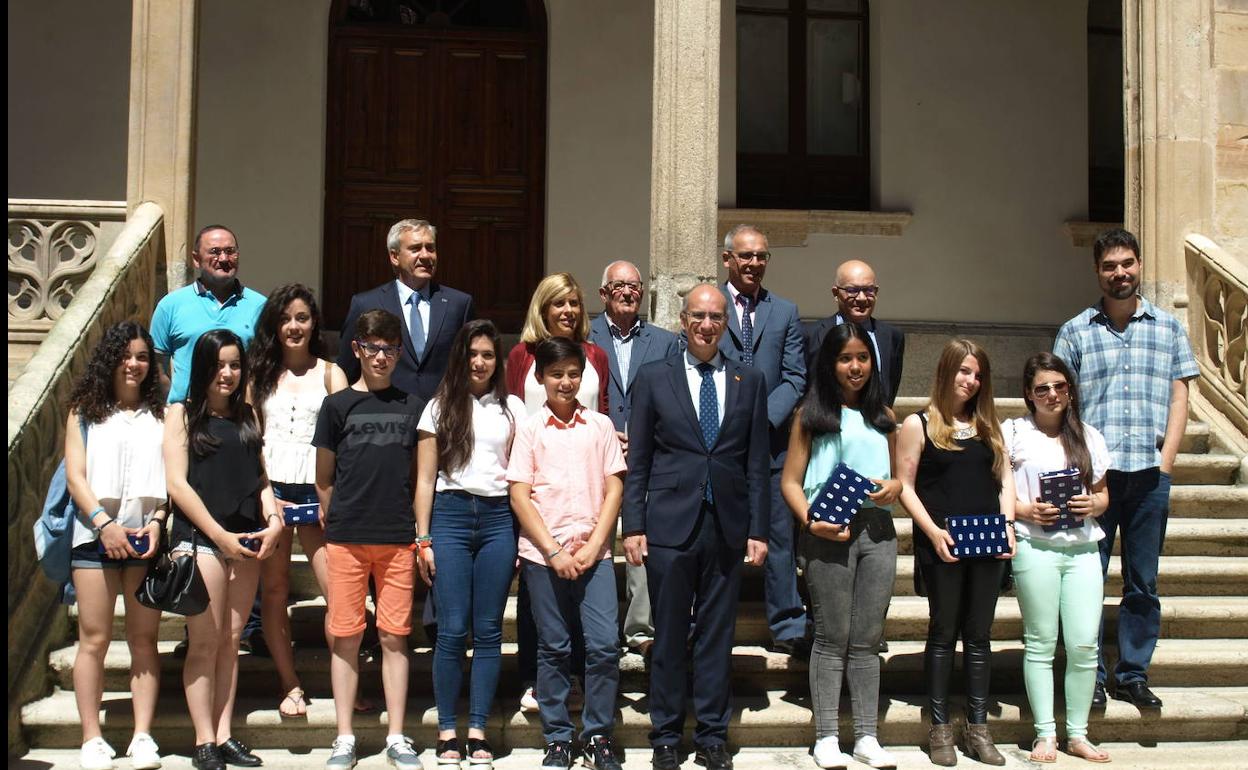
(566, 472)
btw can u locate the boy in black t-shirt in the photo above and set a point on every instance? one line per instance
(365, 455)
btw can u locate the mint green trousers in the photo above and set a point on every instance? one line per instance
(1059, 583)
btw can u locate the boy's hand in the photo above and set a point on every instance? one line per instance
(424, 562)
(565, 566)
(585, 555)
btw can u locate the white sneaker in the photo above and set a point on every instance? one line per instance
(528, 701)
(143, 752)
(828, 753)
(96, 754)
(868, 750)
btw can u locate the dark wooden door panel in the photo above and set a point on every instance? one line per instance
(409, 134)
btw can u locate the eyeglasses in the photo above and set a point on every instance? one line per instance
(854, 291)
(371, 349)
(216, 251)
(619, 286)
(751, 256)
(698, 316)
(1040, 391)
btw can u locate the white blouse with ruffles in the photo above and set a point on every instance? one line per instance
(125, 469)
(289, 421)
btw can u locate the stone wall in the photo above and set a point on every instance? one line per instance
(1230, 160)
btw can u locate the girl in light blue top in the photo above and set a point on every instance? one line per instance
(849, 570)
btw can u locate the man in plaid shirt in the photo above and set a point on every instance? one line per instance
(1133, 362)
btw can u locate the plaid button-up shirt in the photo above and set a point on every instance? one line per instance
(1125, 377)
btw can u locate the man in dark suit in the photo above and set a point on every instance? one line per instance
(765, 333)
(855, 292)
(696, 503)
(629, 342)
(431, 313)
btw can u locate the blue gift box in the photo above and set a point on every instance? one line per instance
(841, 496)
(251, 543)
(296, 515)
(1056, 489)
(978, 535)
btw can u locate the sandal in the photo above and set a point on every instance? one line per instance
(478, 745)
(1082, 748)
(295, 696)
(1044, 750)
(449, 746)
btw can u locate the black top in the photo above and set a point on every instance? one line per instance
(228, 481)
(955, 483)
(373, 438)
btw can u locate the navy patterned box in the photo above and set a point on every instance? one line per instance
(296, 515)
(1056, 489)
(977, 536)
(841, 496)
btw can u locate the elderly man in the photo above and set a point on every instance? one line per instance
(629, 342)
(855, 293)
(696, 504)
(431, 313)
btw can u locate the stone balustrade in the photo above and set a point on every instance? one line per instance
(1217, 286)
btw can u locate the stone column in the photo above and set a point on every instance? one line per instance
(161, 162)
(684, 164)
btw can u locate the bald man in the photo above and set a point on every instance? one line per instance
(855, 293)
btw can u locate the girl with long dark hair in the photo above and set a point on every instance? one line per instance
(849, 570)
(117, 481)
(224, 509)
(952, 461)
(289, 381)
(1057, 571)
(464, 517)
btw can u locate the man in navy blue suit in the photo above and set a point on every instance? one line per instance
(696, 504)
(431, 313)
(629, 342)
(765, 333)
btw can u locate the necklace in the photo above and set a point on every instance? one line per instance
(965, 433)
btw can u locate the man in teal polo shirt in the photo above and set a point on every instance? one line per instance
(216, 300)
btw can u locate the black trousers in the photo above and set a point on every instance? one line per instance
(962, 601)
(702, 575)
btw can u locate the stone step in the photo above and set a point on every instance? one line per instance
(1209, 501)
(761, 718)
(1208, 468)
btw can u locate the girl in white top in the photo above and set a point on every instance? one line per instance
(289, 382)
(117, 480)
(1057, 573)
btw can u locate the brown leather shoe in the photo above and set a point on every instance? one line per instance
(940, 746)
(979, 745)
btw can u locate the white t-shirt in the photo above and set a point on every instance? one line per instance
(125, 469)
(1032, 453)
(485, 474)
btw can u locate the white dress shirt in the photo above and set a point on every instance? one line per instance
(694, 378)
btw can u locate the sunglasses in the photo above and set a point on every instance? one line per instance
(1040, 391)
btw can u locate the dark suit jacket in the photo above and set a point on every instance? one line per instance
(890, 340)
(449, 310)
(669, 465)
(653, 343)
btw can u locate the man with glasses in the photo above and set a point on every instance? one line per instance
(629, 342)
(431, 313)
(855, 293)
(764, 332)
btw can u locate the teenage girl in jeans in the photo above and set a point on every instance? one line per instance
(465, 529)
(849, 570)
(952, 461)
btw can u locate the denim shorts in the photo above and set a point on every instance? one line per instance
(88, 556)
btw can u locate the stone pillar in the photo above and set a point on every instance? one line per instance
(161, 162)
(684, 163)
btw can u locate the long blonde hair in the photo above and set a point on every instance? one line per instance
(983, 411)
(550, 289)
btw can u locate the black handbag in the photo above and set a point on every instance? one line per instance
(174, 584)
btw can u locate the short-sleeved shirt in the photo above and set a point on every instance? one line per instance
(1032, 453)
(182, 316)
(1125, 377)
(373, 437)
(567, 464)
(485, 473)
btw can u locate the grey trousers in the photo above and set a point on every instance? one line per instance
(638, 626)
(851, 584)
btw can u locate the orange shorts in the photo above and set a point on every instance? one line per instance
(393, 568)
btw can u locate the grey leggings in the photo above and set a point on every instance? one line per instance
(851, 584)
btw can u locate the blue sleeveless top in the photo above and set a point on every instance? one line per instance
(858, 445)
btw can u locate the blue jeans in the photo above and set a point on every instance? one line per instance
(1139, 504)
(474, 546)
(555, 602)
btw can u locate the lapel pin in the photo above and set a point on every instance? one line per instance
(736, 377)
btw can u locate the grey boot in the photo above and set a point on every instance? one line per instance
(979, 745)
(940, 741)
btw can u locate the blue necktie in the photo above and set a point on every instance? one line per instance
(747, 330)
(708, 412)
(416, 327)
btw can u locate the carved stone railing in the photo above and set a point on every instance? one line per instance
(1217, 313)
(121, 286)
(53, 247)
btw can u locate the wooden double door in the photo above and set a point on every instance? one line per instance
(442, 124)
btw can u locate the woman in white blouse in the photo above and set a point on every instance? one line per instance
(1057, 571)
(117, 480)
(463, 515)
(289, 382)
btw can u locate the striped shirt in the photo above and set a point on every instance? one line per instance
(1125, 377)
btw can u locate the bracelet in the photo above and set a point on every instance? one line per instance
(425, 539)
(1009, 523)
(100, 528)
(272, 516)
(809, 523)
(91, 516)
(551, 556)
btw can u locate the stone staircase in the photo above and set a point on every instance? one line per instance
(1200, 668)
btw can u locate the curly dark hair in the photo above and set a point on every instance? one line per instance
(265, 353)
(93, 397)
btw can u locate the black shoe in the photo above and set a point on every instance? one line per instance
(665, 758)
(600, 754)
(207, 756)
(235, 752)
(884, 646)
(797, 647)
(558, 756)
(1138, 694)
(1099, 698)
(713, 757)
